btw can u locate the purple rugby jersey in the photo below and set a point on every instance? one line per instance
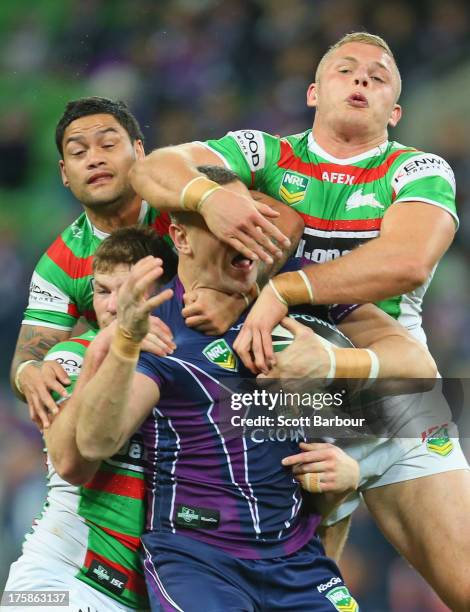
(206, 480)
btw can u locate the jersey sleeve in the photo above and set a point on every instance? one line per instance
(152, 366)
(424, 177)
(50, 303)
(248, 153)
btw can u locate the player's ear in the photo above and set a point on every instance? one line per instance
(63, 173)
(312, 98)
(395, 116)
(139, 149)
(179, 235)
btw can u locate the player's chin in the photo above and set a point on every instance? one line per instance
(240, 281)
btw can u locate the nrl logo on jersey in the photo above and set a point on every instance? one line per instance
(293, 187)
(219, 353)
(342, 600)
(359, 199)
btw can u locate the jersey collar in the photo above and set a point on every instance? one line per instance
(102, 235)
(314, 147)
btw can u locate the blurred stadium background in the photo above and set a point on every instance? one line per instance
(192, 70)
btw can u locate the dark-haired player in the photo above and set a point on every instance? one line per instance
(98, 141)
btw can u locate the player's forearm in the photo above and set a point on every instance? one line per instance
(161, 176)
(33, 343)
(102, 403)
(402, 357)
(62, 447)
(370, 273)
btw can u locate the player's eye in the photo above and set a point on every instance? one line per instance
(376, 78)
(109, 145)
(77, 153)
(344, 70)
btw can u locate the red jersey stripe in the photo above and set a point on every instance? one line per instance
(162, 224)
(130, 541)
(118, 484)
(81, 341)
(341, 224)
(289, 161)
(73, 266)
(135, 583)
(72, 309)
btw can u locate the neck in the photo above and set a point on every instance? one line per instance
(110, 217)
(189, 277)
(344, 143)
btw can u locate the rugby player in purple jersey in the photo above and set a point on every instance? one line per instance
(226, 524)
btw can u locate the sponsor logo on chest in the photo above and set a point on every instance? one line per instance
(338, 177)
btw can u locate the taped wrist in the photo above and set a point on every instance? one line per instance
(196, 192)
(124, 346)
(356, 363)
(19, 369)
(292, 288)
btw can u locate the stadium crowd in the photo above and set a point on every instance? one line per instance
(192, 71)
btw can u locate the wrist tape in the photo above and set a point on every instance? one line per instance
(196, 192)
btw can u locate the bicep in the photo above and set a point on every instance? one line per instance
(426, 230)
(201, 155)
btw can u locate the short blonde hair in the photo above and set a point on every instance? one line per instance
(366, 39)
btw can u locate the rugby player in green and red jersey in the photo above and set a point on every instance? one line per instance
(98, 141)
(352, 187)
(87, 539)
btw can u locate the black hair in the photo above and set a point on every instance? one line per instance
(96, 106)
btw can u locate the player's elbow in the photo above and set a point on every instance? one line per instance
(413, 273)
(74, 471)
(93, 449)
(424, 368)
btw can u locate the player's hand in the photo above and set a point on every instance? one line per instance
(159, 339)
(244, 224)
(135, 302)
(37, 381)
(254, 344)
(324, 467)
(211, 311)
(306, 357)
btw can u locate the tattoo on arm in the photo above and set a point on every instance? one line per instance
(34, 342)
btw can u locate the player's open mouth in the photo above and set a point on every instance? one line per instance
(358, 100)
(99, 177)
(240, 262)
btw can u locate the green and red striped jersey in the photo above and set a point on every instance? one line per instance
(61, 286)
(342, 201)
(96, 527)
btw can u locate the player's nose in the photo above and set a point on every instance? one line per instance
(361, 77)
(95, 157)
(112, 303)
